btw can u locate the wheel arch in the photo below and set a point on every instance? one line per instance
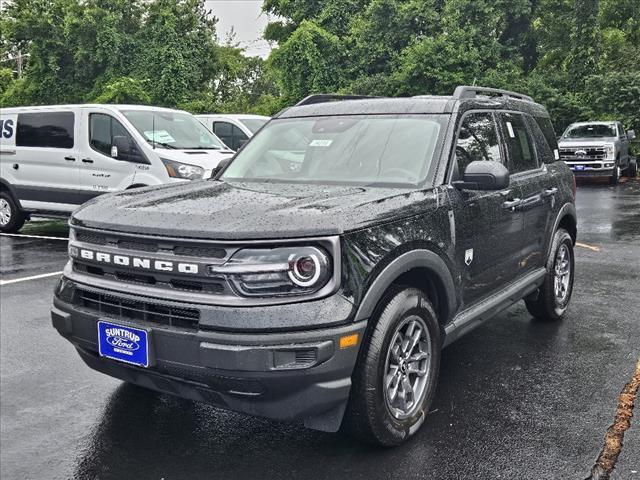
(422, 269)
(5, 186)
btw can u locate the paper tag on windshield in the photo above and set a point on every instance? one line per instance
(320, 143)
(510, 128)
(161, 136)
(556, 154)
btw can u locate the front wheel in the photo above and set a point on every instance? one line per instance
(396, 375)
(632, 169)
(11, 218)
(555, 293)
(615, 177)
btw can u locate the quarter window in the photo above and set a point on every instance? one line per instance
(477, 140)
(45, 129)
(519, 144)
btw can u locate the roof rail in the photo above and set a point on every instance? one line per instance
(467, 91)
(328, 97)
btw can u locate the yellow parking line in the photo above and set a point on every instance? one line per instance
(589, 247)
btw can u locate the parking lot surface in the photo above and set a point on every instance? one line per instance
(518, 398)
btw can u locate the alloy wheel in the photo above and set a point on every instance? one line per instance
(407, 367)
(5, 212)
(562, 274)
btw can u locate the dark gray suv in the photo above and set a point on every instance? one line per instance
(319, 274)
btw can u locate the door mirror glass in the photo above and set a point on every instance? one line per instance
(121, 144)
(631, 134)
(480, 175)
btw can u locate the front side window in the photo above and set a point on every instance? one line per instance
(594, 130)
(173, 130)
(522, 155)
(231, 135)
(45, 129)
(102, 130)
(477, 140)
(348, 150)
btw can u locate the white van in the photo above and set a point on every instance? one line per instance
(54, 158)
(234, 130)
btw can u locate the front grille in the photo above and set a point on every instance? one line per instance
(142, 246)
(591, 153)
(212, 286)
(114, 306)
(88, 237)
(192, 251)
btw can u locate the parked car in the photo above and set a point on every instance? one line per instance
(233, 130)
(598, 149)
(54, 158)
(326, 293)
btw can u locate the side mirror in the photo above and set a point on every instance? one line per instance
(121, 145)
(220, 167)
(483, 175)
(631, 134)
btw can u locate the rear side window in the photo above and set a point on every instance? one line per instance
(549, 134)
(522, 155)
(477, 140)
(542, 147)
(231, 135)
(45, 129)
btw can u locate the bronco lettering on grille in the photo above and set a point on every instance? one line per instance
(137, 262)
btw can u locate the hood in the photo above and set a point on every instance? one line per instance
(207, 159)
(237, 211)
(585, 142)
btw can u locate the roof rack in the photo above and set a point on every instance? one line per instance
(467, 91)
(327, 97)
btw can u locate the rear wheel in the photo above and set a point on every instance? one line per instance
(555, 293)
(11, 218)
(396, 375)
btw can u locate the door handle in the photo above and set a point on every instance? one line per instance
(550, 192)
(512, 204)
(87, 160)
(70, 159)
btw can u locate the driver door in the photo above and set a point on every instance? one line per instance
(488, 233)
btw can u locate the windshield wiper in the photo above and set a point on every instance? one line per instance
(163, 145)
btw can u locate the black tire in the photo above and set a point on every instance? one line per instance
(11, 217)
(615, 178)
(369, 416)
(632, 169)
(547, 305)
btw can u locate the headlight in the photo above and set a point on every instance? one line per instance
(183, 170)
(272, 272)
(609, 151)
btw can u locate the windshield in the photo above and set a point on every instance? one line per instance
(358, 149)
(253, 124)
(173, 130)
(590, 131)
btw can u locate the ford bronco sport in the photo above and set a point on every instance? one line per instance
(319, 274)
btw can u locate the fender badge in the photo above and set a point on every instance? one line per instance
(468, 256)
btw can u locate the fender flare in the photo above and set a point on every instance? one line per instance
(4, 183)
(408, 261)
(568, 209)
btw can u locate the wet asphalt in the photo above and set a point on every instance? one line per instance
(517, 399)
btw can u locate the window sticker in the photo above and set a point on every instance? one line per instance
(556, 154)
(320, 143)
(510, 128)
(161, 136)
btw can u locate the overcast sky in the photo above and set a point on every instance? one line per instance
(247, 20)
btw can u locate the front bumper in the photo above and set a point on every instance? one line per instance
(592, 169)
(285, 375)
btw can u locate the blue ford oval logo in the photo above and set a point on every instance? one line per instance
(124, 339)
